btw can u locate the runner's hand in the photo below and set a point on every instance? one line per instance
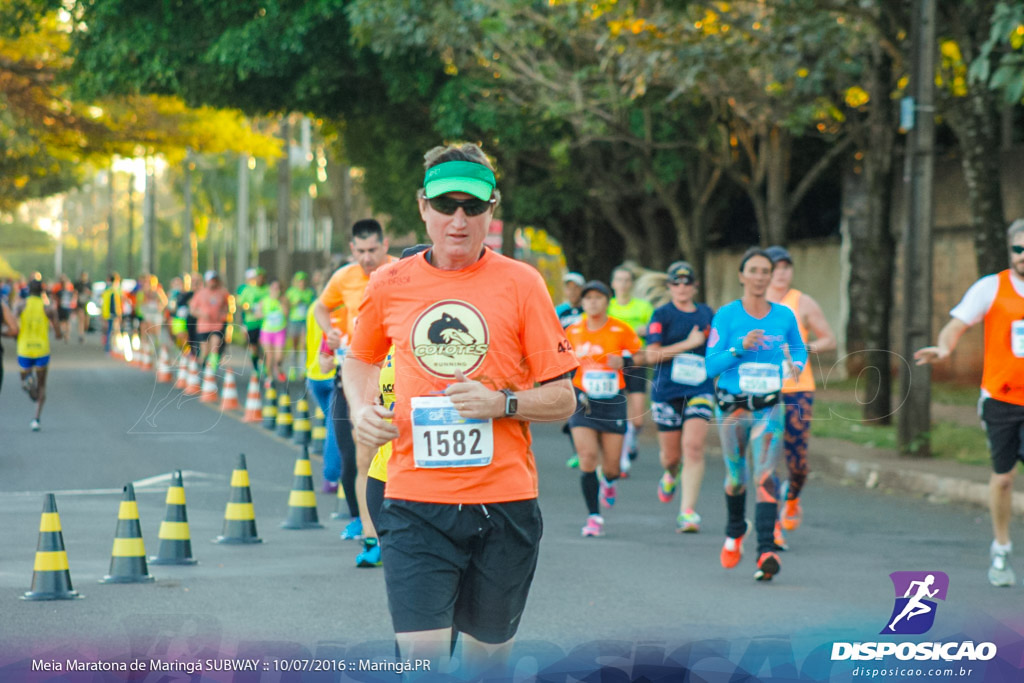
(614, 361)
(333, 338)
(373, 427)
(472, 399)
(752, 339)
(696, 338)
(930, 354)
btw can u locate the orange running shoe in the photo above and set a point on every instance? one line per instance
(792, 514)
(779, 538)
(732, 550)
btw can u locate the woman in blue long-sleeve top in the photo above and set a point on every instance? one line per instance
(752, 343)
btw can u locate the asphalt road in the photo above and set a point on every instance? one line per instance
(641, 586)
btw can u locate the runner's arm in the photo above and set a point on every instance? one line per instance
(547, 402)
(814, 318)
(10, 320)
(949, 337)
(655, 353)
(323, 318)
(370, 421)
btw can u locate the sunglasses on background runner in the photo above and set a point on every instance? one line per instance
(472, 207)
(682, 281)
(1016, 249)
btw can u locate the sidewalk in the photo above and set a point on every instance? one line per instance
(938, 480)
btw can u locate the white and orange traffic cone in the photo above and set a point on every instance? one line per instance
(163, 366)
(229, 396)
(253, 408)
(192, 388)
(146, 363)
(209, 388)
(182, 381)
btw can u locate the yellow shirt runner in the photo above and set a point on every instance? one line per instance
(379, 466)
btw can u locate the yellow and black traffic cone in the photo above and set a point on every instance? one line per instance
(284, 416)
(239, 520)
(269, 408)
(175, 541)
(318, 434)
(302, 428)
(128, 558)
(302, 499)
(341, 505)
(51, 578)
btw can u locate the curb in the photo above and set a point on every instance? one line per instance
(890, 476)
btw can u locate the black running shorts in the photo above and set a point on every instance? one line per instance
(636, 377)
(470, 566)
(1004, 426)
(600, 414)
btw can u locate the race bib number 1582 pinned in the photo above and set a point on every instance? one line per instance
(443, 438)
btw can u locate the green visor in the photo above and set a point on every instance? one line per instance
(459, 176)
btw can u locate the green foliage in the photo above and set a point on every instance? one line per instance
(22, 237)
(1000, 62)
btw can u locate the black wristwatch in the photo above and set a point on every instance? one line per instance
(511, 402)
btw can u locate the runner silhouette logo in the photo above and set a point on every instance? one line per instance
(916, 593)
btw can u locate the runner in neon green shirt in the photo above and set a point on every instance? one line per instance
(249, 296)
(300, 300)
(274, 329)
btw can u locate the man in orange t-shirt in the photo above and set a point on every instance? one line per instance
(599, 423)
(335, 310)
(479, 353)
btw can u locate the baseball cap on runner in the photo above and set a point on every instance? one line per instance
(681, 271)
(250, 273)
(596, 286)
(777, 253)
(211, 275)
(574, 277)
(459, 176)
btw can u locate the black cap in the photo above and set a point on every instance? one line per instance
(777, 253)
(596, 286)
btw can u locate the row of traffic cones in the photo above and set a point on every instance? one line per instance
(51, 577)
(274, 412)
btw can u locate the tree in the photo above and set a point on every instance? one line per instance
(973, 110)
(1000, 60)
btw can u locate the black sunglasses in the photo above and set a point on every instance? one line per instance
(682, 281)
(472, 207)
(1017, 249)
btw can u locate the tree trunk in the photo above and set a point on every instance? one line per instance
(867, 199)
(976, 120)
(776, 187)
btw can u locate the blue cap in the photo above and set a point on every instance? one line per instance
(777, 253)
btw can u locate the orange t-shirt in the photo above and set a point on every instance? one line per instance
(344, 292)
(593, 346)
(496, 323)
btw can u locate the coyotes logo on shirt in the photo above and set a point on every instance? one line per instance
(450, 335)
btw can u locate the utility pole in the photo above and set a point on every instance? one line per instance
(242, 210)
(915, 381)
(149, 217)
(187, 225)
(131, 223)
(282, 260)
(110, 218)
